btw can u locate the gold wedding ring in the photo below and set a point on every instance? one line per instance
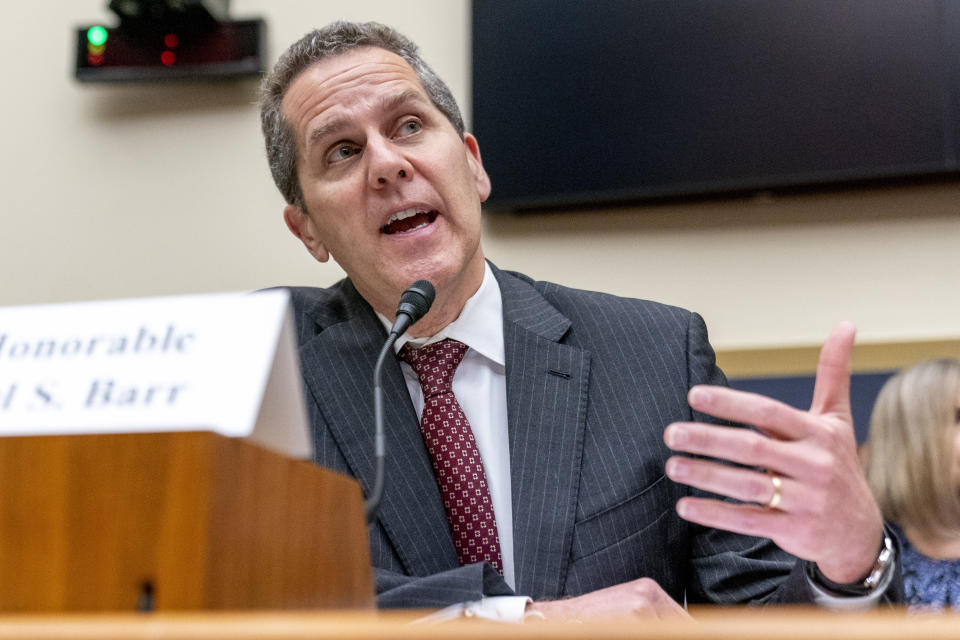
(774, 500)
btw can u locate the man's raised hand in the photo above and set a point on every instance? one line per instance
(825, 512)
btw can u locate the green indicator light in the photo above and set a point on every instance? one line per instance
(97, 36)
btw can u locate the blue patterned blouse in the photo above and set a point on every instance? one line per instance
(929, 583)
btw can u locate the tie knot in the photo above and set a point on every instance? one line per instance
(435, 364)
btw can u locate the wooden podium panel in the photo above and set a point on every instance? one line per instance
(735, 623)
(175, 521)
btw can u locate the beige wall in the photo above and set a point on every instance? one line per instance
(147, 190)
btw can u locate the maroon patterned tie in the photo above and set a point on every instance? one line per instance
(453, 452)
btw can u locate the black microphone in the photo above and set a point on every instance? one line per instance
(414, 304)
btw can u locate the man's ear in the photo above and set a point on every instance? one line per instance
(303, 228)
(476, 166)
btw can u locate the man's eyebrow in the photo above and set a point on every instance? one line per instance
(402, 98)
(388, 103)
(327, 129)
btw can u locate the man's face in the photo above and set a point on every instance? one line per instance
(391, 191)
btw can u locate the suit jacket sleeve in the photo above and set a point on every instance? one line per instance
(463, 584)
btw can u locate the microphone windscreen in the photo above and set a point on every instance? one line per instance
(416, 300)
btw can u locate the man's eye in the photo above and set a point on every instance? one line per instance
(409, 127)
(343, 152)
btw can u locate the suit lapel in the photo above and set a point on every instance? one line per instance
(546, 407)
(546, 398)
(411, 513)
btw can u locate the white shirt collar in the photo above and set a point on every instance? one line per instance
(479, 325)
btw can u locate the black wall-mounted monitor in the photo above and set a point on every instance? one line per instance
(626, 100)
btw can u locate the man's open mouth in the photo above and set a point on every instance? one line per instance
(409, 220)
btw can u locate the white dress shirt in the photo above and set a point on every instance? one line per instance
(480, 385)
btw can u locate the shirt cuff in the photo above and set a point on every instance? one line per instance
(823, 597)
(495, 608)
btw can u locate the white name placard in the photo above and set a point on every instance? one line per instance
(221, 362)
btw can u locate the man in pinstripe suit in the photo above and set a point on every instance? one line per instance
(576, 398)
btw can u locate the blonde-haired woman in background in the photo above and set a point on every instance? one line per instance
(912, 460)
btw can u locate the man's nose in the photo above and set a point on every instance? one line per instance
(386, 165)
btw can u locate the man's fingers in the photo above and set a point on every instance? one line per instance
(670, 610)
(745, 485)
(736, 444)
(831, 393)
(773, 417)
(648, 598)
(642, 597)
(748, 519)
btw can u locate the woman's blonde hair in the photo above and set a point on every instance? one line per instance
(909, 455)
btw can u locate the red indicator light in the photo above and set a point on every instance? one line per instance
(169, 58)
(171, 40)
(95, 59)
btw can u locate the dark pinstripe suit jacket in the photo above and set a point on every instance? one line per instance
(592, 381)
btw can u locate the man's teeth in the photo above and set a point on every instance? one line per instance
(403, 215)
